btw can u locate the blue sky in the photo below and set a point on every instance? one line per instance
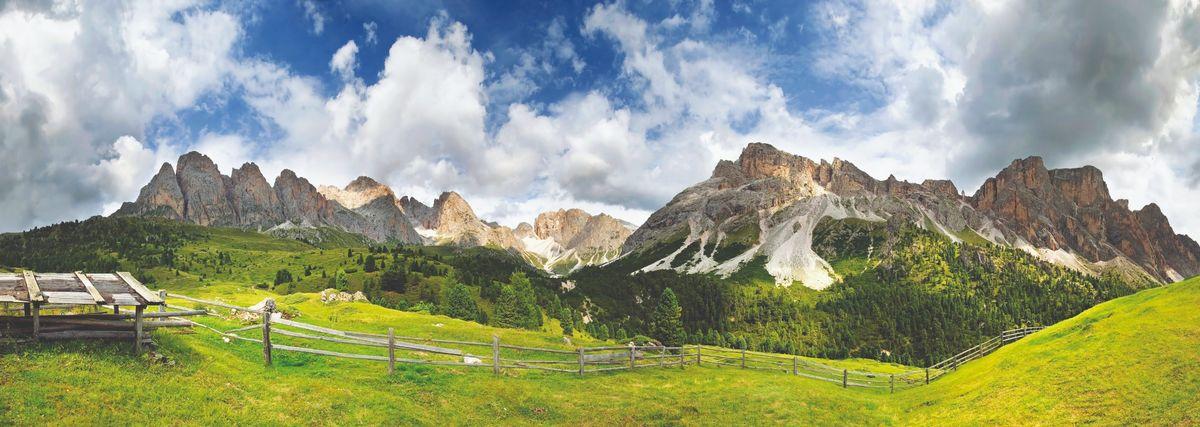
(611, 106)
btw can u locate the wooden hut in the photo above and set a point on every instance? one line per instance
(35, 292)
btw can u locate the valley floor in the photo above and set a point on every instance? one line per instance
(1128, 361)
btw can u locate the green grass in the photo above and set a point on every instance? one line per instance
(1133, 360)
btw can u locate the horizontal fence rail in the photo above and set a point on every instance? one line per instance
(498, 356)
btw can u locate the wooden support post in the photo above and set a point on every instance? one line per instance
(681, 356)
(795, 365)
(116, 309)
(391, 350)
(268, 308)
(495, 354)
(137, 328)
(845, 377)
(662, 355)
(28, 310)
(698, 354)
(743, 358)
(37, 321)
(580, 361)
(631, 357)
(926, 376)
(162, 294)
(892, 382)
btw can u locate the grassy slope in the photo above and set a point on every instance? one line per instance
(1132, 360)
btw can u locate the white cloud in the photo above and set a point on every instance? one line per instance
(79, 83)
(344, 62)
(312, 12)
(370, 29)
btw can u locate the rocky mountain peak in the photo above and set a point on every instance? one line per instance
(561, 225)
(452, 212)
(365, 183)
(161, 197)
(204, 192)
(254, 202)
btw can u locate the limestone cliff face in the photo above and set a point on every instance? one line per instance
(300, 202)
(253, 200)
(1071, 210)
(203, 189)
(768, 201)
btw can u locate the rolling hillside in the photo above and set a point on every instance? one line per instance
(1128, 361)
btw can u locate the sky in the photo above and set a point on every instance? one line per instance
(615, 107)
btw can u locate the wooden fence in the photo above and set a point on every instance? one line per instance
(498, 356)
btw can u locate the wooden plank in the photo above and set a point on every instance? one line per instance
(150, 297)
(91, 289)
(73, 298)
(35, 292)
(6, 298)
(123, 299)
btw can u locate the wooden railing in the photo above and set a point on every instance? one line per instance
(498, 356)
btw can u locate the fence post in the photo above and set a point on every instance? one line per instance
(698, 347)
(137, 328)
(268, 308)
(631, 362)
(391, 350)
(162, 295)
(495, 355)
(845, 376)
(743, 358)
(37, 320)
(926, 376)
(662, 355)
(795, 362)
(681, 355)
(892, 382)
(580, 361)
(28, 311)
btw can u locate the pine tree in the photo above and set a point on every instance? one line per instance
(459, 303)
(508, 308)
(667, 321)
(369, 265)
(565, 318)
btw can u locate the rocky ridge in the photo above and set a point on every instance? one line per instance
(198, 193)
(768, 202)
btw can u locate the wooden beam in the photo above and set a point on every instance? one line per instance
(91, 289)
(35, 292)
(150, 297)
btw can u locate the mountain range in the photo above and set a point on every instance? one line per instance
(196, 192)
(766, 204)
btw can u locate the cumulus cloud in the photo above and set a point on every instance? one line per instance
(71, 122)
(956, 90)
(344, 61)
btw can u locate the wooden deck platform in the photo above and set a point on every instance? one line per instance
(117, 289)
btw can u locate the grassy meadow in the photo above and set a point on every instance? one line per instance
(1128, 361)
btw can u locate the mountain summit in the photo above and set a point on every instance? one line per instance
(768, 202)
